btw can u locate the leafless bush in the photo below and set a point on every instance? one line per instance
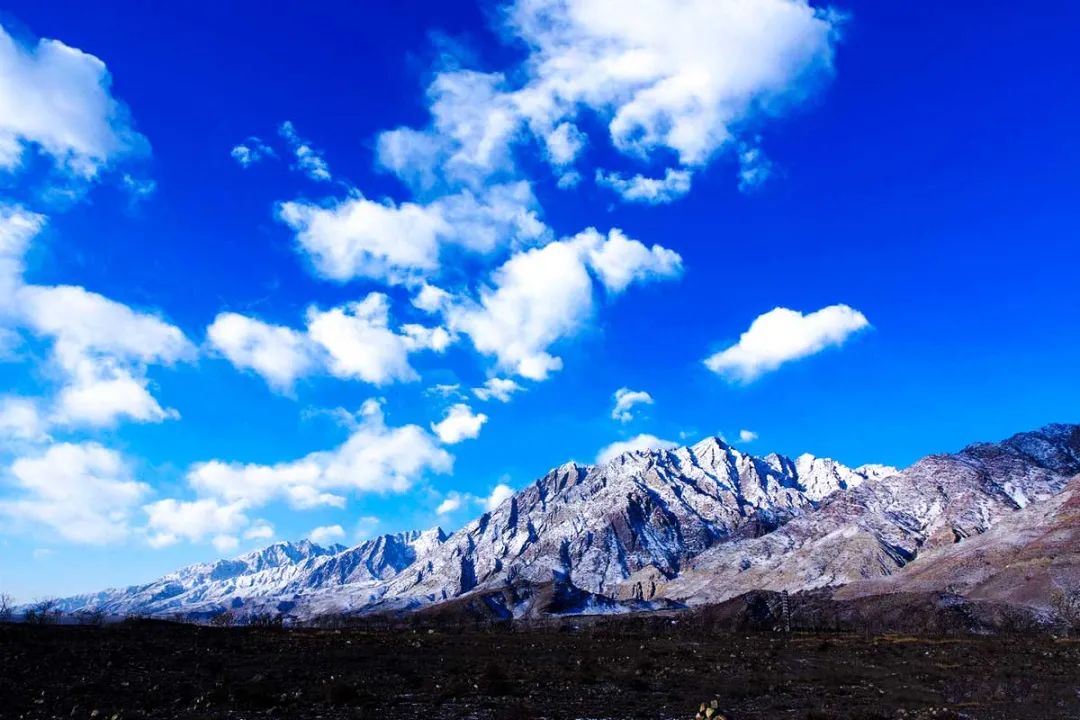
(266, 620)
(43, 612)
(226, 618)
(92, 616)
(7, 607)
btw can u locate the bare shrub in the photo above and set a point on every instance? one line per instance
(43, 612)
(92, 616)
(7, 607)
(226, 618)
(267, 620)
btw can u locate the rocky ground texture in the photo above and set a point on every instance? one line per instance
(630, 667)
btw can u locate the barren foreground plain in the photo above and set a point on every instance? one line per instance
(615, 668)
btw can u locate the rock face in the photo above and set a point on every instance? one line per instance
(597, 526)
(879, 527)
(275, 572)
(692, 525)
(1029, 559)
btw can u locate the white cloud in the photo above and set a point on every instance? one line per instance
(782, 335)
(361, 345)
(459, 424)
(56, 99)
(620, 261)
(279, 354)
(327, 534)
(22, 419)
(170, 520)
(474, 122)
(261, 530)
(653, 191)
(625, 400)
(747, 436)
(539, 297)
(564, 143)
(88, 325)
(375, 458)
(251, 151)
(499, 494)
(669, 74)
(352, 341)
(17, 228)
(84, 493)
(399, 243)
(101, 349)
(543, 295)
(450, 504)
(308, 160)
(497, 389)
(636, 443)
(100, 394)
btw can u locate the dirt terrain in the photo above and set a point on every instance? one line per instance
(614, 669)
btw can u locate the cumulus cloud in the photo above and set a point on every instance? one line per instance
(460, 423)
(81, 492)
(326, 534)
(22, 419)
(375, 458)
(625, 400)
(782, 335)
(101, 349)
(619, 261)
(497, 389)
(398, 243)
(171, 520)
(360, 344)
(666, 76)
(669, 75)
(545, 294)
(638, 442)
(352, 341)
(279, 354)
(57, 100)
(747, 436)
(653, 191)
(451, 504)
(499, 494)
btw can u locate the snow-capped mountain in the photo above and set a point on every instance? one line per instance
(879, 527)
(281, 570)
(692, 525)
(595, 525)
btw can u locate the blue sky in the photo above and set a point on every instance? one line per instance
(218, 329)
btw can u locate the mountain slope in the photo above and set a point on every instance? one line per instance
(880, 526)
(687, 526)
(271, 575)
(1028, 559)
(597, 525)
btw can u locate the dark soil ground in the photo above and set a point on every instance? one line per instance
(610, 670)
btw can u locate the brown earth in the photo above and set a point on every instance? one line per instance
(643, 667)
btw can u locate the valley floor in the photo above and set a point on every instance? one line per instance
(612, 669)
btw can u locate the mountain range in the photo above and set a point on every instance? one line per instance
(690, 526)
